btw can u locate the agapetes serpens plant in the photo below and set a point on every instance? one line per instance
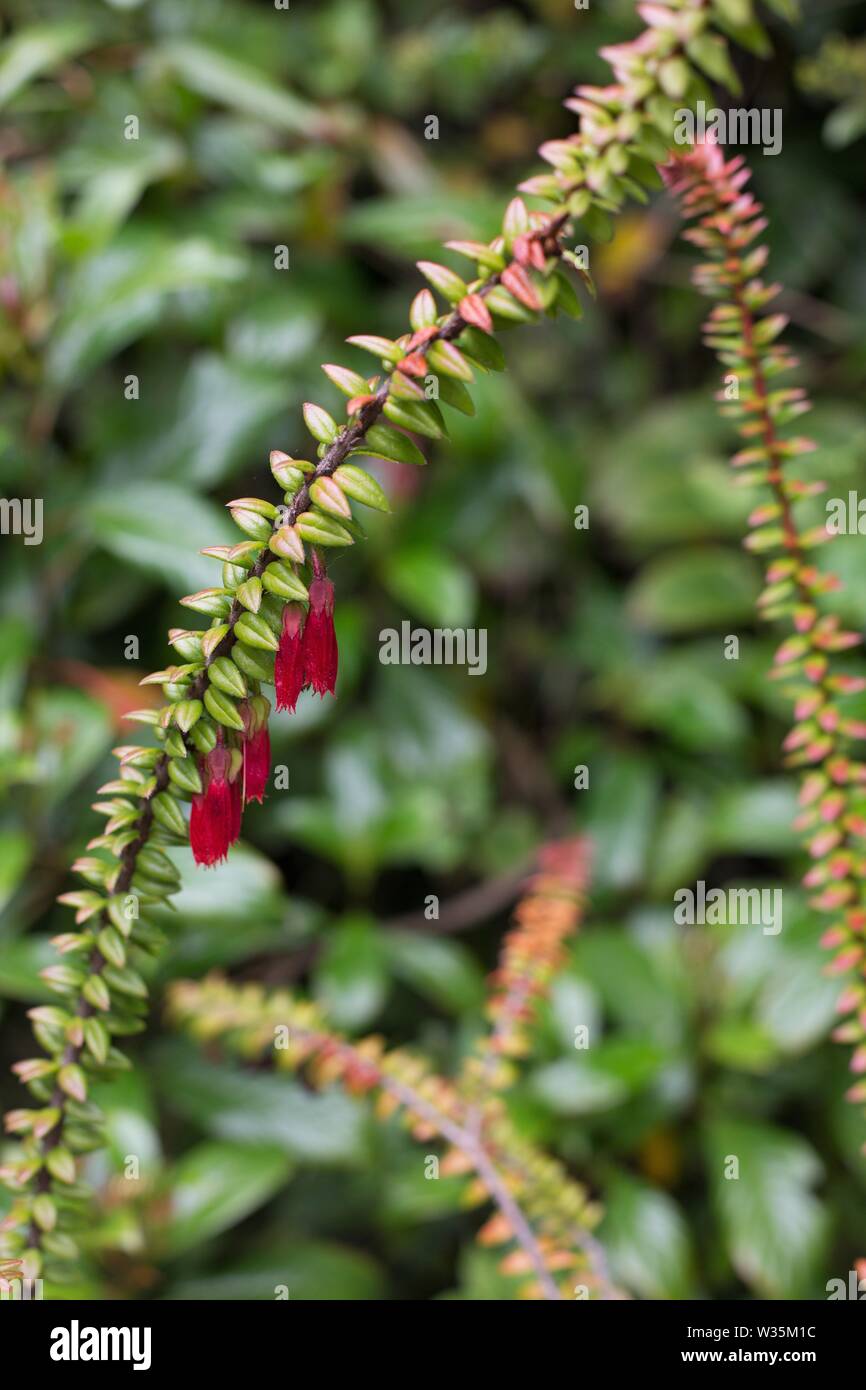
(712, 191)
(271, 613)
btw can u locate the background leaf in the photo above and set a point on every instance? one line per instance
(215, 1185)
(773, 1226)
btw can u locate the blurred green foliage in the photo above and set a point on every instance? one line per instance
(151, 356)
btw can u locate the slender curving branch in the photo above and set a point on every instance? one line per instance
(541, 1212)
(712, 192)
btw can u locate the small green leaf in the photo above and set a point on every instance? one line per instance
(174, 744)
(483, 350)
(319, 529)
(280, 579)
(349, 382)
(224, 674)
(449, 360)
(186, 643)
(252, 629)
(168, 814)
(329, 497)
(97, 1038)
(361, 486)
(320, 424)
(222, 708)
(385, 443)
(111, 945)
(211, 639)
(415, 416)
(184, 773)
(567, 297)
(454, 393)
(71, 1079)
(126, 981)
(95, 991)
(157, 865)
(252, 522)
(444, 280)
(215, 602)
(516, 222)
(502, 303)
(257, 664)
(288, 472)
(249, 593)
(674, 76)
(187, 713)
(478, 251)
(422, 313)
(380, 347)
(710, 52)
(405, 388)
(44, 1212)
(60, 1164)
(203, 736)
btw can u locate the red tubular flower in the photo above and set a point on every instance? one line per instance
(256, 749)
(212, 822)
(319, 639)
(236, 807)
(289, 663)
(257, 765)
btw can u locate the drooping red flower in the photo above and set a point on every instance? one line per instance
(257, 765)
(319, 639)
(212, 822)
(289, 662)
(236, 806)
(256, 749)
